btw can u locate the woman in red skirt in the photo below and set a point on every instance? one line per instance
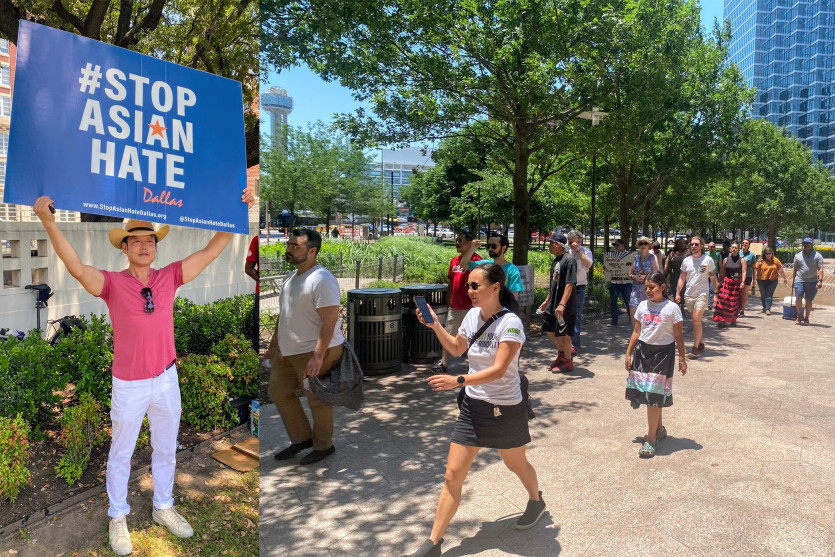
(729, 299)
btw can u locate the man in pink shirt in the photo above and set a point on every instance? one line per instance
(140, 300)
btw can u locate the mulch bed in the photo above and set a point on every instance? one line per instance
(46, 488)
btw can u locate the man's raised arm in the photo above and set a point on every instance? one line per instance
(194, 264)
(90, 278)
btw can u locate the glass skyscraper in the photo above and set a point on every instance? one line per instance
(786, 49)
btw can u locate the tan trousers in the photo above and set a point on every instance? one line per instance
(286, 377)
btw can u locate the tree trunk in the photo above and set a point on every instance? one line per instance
(772, 236)
(623, 212)
(521, 204)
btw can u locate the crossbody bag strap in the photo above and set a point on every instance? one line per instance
(486, 325)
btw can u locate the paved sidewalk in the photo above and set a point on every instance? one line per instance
(748, 467)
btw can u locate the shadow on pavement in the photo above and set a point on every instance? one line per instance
(514, 543)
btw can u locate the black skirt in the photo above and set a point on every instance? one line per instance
(478, 426)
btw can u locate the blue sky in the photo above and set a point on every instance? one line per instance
(315, 99)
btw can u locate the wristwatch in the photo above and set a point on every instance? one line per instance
(460, 379)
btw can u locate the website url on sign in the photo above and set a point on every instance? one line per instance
(193, 220)
(126, 210)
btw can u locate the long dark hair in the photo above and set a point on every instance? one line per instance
(495, 274)
(658, 278)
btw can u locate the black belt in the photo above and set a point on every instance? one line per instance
(174, 361)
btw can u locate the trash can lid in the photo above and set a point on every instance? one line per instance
(422, 286)
(374, 291)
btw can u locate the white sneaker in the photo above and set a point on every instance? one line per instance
(175, 523)
(120, 536)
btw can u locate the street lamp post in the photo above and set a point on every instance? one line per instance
(595, 116)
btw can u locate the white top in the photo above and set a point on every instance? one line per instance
(698, 271)
(657, 320)
(299, 322)
(582, 271)
(482, 354)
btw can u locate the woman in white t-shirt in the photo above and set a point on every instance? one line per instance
(650, 358)
(493, 412)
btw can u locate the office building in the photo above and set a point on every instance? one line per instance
(786, 49)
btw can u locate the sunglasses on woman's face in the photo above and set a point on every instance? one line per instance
(472, 285)
(643, 244)
(149, 299)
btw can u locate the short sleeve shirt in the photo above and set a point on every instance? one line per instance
(698, 271)
(769, 271)
(563, 272)
(582, 271)
(657, 321)
(299, 322)
(143, 343)
(252, 256)
(513, 278)
(750, 260)
(807, 266)
(458, 277)
(483, 352)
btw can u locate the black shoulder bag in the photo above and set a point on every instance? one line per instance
(523, 380)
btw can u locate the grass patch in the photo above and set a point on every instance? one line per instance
(225, 522)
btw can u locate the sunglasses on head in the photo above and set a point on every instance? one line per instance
(149, 299)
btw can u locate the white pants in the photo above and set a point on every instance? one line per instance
(159, 397)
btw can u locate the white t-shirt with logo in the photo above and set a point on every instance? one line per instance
(657, 320)
(299, 322)
(698, 271)
(482, 354)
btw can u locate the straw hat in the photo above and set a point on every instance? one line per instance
(136, 228)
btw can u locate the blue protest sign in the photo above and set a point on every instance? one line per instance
(104, 130)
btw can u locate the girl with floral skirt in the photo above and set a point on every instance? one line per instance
(650, 358)
(729, 298)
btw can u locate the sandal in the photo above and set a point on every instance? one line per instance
(660, 434)
(647, 451)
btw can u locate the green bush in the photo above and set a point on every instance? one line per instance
(383, 284)
(199, 327)
(82, 428)
(434, 273)
(85, 357)
(237, 354)
(205, 392)
(29, 380)
(539, 295)
(14, 456)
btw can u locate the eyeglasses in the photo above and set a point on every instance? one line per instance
(493, 246)
(149, 299)
(695, 245)
(295, 246)
(472, 285)
(643, 243)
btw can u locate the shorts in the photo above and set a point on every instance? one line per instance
(551, 325)
(696, 303)
(454, 317)
(749, 280)
(806, 290)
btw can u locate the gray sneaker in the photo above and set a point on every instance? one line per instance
(533, 512)
(172, 520)
(120, 536)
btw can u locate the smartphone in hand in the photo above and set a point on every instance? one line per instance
(421, 304)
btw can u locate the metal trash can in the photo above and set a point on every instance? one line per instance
(420, 345)
(374, 328)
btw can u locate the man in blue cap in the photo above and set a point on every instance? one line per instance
(807, 277)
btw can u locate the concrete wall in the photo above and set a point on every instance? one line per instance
(223, 278)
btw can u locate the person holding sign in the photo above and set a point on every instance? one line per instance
(140, 300)
(617, 266)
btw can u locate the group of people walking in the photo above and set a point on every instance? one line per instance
(483, 321)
